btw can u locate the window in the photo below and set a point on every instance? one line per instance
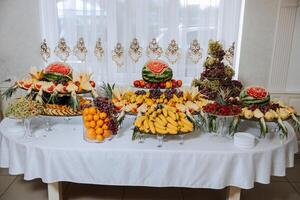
(122, 20)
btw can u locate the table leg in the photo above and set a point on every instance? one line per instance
(234, 193)
(55, 191)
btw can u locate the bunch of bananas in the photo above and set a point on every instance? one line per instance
(163, 120)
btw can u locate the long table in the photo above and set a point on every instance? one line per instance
(203, 161)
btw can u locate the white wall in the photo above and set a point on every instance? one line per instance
(19, 37)
(293, 80)
(257, 41)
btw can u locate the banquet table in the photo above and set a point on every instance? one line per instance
(203, 161)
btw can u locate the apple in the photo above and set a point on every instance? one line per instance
(154, 85)
(174, 84)
(179, 83)
(142, 83)
(136, 83)
(148, 85)
(162, 85)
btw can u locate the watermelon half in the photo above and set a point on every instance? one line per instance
(255, 95)
(58, 71)
(156, 71)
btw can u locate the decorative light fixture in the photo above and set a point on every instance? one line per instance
(45, 50)
(62, 50)
(154, 51)
(80, 50)
(118, 55)
(135, 50)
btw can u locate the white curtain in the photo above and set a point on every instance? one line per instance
(122, 20)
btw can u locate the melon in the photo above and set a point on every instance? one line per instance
(156, 71)
(254, 95)
(58, 71)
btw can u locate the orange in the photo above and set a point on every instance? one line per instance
(91, 134)
(89, 117)
(96, 117)
(86, 123)
(105, 127)
(99, 138)
(100, 123)
(92, 110)
(106, 119)
(99, 131)
(86, 111)
(92, 124)
(103, 115)
(107, 133)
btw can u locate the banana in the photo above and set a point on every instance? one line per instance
(160, 122)
(182, 115)
(159, 126)
(165, 112)
(145, 124)
(163, 118)
(188, 128)
(138, 122)
(187, 122)
(172, 131)
(161, 131)
(152, 128)
(172, 115)
(172, 109)
(184, 130)
(170, 126)
(177, 116)
(173, 122)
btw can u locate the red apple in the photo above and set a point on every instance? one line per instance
(154, 85)
(142, 83)
(179, 83)
(162, 85)
(174, 84)
(148, 85)
(136, 83)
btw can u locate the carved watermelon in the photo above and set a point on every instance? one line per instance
(254, 95)
(58, 71)
(156, 71)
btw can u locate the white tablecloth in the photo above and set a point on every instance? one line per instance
(204, 161)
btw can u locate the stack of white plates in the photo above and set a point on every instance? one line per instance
(244, 140)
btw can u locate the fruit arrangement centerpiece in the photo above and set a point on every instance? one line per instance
(157, 74)
(57, 87)
(221, 116)
(101, 120)
(258, 106)
(217, 74)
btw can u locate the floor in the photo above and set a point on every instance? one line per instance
(281, 188)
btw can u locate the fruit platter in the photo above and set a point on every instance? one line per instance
(162, 120)
(157, 74)
(57, 87)
(258, 106)
(133, 102)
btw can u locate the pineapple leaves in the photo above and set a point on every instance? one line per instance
(108, 89)
(10, 91)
